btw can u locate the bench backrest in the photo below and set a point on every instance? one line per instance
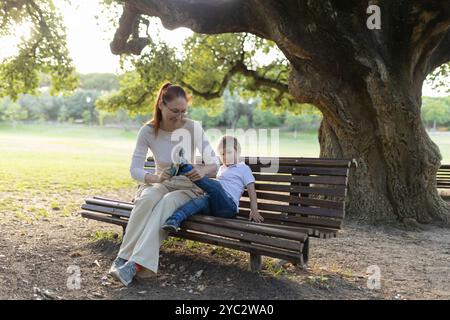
(443, 177)
(306, 191)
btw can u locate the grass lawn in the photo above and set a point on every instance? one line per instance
(51, 159)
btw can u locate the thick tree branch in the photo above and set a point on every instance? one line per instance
(440, 55)
(202, 16)
(261, 81)
(241, 68)
(128, 25)
(427, 37)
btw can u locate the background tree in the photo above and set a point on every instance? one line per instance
(11, 111)
(99, 81)
(44, 51)
(436, 111)
(366, 82)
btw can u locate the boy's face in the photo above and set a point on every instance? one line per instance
(228, 155)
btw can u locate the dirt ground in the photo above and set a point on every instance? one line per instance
(39, 259)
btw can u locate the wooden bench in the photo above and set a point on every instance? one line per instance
(304, 198)
(443, 177)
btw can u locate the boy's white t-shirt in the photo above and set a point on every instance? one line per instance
(234, 179)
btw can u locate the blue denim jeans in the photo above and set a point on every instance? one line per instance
(215, 202)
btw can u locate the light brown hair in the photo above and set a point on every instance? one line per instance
(167, 93)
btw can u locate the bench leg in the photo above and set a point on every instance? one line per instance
(255, 262)
(303, 263)
(305, 254)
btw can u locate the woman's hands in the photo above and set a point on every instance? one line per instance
(157, 178)
(195, 174)
(165, 175)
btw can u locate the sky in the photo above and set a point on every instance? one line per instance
(88, 39)
(88, 42)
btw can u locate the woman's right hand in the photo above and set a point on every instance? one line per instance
(157, 178)
(164, 175)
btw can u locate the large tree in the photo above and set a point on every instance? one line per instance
(367, 82)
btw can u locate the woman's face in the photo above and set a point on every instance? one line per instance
(175, 110)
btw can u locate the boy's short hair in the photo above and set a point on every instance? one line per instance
(227, 141)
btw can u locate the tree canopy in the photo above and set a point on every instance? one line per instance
(208, 65)
(43, 51)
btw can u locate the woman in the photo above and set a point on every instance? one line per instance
(162, 194)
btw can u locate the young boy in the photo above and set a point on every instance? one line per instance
(221, 197)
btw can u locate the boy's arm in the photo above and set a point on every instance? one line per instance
(254, 214)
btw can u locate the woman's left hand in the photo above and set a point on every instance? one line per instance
(195, 174)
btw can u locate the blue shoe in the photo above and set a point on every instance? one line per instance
(117, 264)
(171, 225)
(125, 273)
(184, 168)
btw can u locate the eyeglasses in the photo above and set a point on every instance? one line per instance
(177, 112)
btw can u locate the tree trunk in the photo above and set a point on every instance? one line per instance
(380, 127)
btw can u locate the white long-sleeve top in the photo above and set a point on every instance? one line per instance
(166, 145)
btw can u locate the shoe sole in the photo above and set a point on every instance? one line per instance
(146, 274)
(170, 228)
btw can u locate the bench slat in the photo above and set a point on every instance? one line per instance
(334, 180)
(299, 161)
(110, 203)
(241, 235)
(279, 224)
(242, 246)
(303, 221)
(111, 200)
(338, 191)
(298, 200)
(265, 161)
(124, 213)
(103, 218)
(287, 161)
(261, 228)
(312, 231)
(320, 212)
(332, 171)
